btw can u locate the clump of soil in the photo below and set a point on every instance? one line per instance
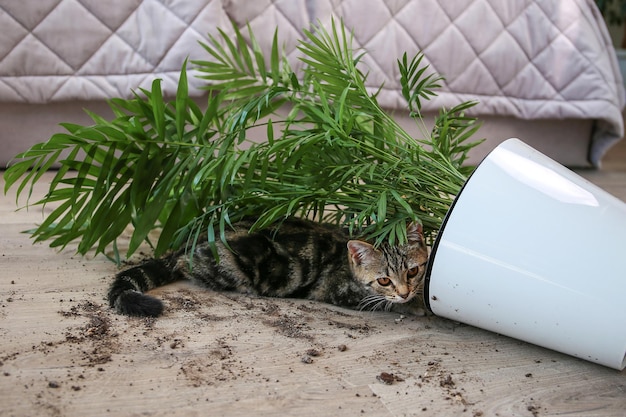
(309, 355)
(98, 327)
(313, 352)
(389, 378)
(447, 382)
(533, 409)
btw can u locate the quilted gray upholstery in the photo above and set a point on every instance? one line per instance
(90, 49)
(532, 59)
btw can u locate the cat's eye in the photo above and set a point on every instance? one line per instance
(384, 281)
(412, 272)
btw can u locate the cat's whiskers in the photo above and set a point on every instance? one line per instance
(366, 301)
(375, 302)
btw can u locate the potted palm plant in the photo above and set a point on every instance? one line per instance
(511, 252)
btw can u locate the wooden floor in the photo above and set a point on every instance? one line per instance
(63, 353)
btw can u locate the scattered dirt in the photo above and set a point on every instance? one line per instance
(98, 327)
(96, 333)
(305, 335)
(148, 322)
(447, 382)
(309, 355)
(186, 300)
(290, 327)
(80, 309)
(533, 409)
(388, 378)
(313, 352)
(360, 328)
(271, 309)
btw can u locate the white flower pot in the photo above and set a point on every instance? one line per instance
(533, 251)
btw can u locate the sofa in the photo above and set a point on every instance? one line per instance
(541, 70)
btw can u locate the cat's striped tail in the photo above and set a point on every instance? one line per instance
(126, 293)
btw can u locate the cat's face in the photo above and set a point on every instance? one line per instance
(394, 274)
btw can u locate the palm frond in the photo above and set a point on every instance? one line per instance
(185, 172)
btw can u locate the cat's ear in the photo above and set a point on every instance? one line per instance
(414, 233)
(360, 252)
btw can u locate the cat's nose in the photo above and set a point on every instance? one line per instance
(404, 295)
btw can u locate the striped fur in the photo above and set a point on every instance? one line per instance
(300, 259)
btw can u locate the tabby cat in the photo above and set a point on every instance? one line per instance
(299, 259)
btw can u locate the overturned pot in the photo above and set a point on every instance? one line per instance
(533, 251)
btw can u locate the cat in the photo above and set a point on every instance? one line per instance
(297, 259)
